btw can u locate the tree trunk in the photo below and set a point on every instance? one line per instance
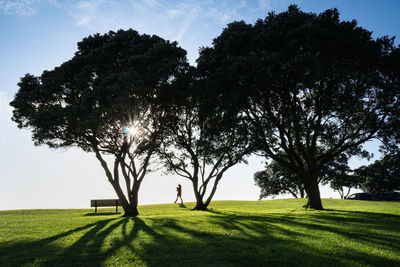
(314, 197)
(348, 192)
(131, 209)
(301, 193)
(341, 192)
(200, 205)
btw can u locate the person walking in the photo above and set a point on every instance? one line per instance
(179, 193)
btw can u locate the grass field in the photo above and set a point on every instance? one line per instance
(232, 233)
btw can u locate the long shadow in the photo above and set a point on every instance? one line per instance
(266, 243)
(228, 239)
(19, 253)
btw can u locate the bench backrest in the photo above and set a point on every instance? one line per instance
(104, 202)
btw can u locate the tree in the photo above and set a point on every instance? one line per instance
(105, 100)
(340, 182)
(338, 175)
(201, 144)
(380, 176)
(311, 87)
(276, 180)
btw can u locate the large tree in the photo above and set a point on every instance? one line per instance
(310, 86)
(199, 143)
(105, 100)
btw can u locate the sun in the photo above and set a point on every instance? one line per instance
(130, 130)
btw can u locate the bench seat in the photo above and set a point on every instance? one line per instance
(105, 203)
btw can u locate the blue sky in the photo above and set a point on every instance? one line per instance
(36, 35)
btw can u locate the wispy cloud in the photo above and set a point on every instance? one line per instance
(190, 15)
(25, 8)
(186, 21)
(19, 7)
(98, 15)
(152, 3)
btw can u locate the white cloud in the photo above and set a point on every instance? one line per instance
(98, 15)
(152, 3)
(19, 7)
(173, 12)
(189, 17)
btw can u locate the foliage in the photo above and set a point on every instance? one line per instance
(346, 180)
(276, 180)
(105, 100)
(338, 174)
(235, 233)
(311, 87)
(381, 176)
(201, 144)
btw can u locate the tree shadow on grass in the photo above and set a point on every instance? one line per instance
(19, 253)
(217, 238)
(275, 239)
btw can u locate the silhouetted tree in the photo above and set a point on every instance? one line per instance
(311, 87)
(380, 176)
(340, 183)
(276, 180)
(201, 144)
(338, 174)
(105, 100)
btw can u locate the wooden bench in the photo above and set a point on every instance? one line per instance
(105, 203)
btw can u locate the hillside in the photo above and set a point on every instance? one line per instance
(232, 233)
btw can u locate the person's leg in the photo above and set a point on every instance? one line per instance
(181, 199)
(176, 199)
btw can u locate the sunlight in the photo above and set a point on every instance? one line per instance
(130, 130)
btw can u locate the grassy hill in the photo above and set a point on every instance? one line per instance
(232, 233)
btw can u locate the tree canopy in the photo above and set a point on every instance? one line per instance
(276, 180)
(107, 100)
(310, 86)
(301, 89)
(200, 143)
(381, 176)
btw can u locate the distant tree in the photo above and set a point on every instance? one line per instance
(105, 100)
(380, 176)
(311, 87)
(276, 180)
(337, 174)
(340, 183)
(201, 144)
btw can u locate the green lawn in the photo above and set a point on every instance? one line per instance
(232, 233)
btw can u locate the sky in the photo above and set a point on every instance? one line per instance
(38, 35)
